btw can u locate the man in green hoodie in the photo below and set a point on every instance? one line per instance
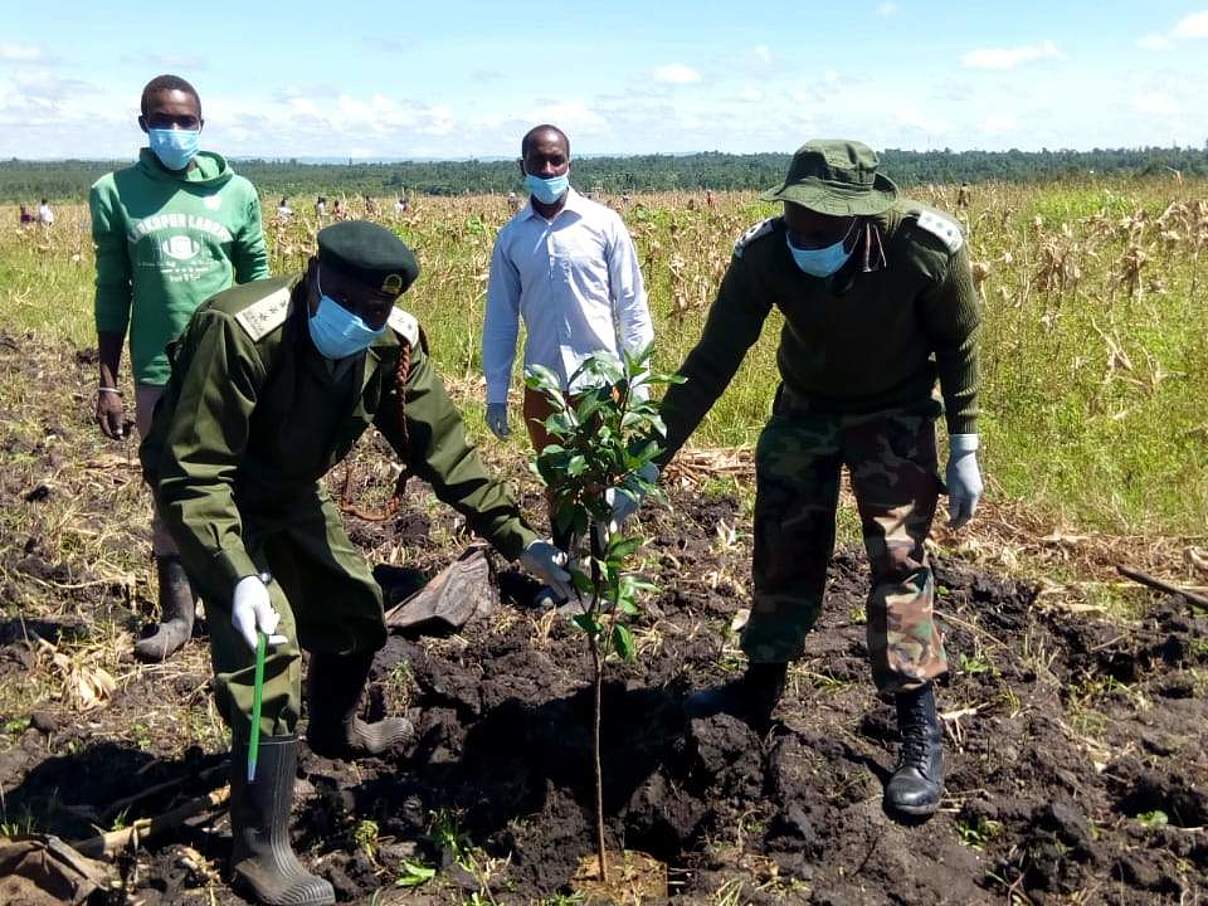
(170, 232)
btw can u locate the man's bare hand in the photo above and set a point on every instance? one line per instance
(111, 415)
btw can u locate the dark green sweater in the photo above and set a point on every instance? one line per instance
(852, 343)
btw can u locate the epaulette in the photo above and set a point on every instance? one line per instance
(760, 229)
(405, 325)
(948, 231)
(263, 316)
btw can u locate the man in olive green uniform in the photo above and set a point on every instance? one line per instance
(272, 383)
(878, 302)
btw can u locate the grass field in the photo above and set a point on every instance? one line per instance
(1073, 700)
(1094, 344)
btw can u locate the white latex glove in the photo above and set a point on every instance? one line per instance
(547, 562)
(963, 479)
(497, 419)
(253, 610)
(623, 506)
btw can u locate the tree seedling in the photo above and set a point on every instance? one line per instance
(606, 438)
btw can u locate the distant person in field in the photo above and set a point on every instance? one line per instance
(878, 302)
(46, 215)
(371, 208)
(24, 217)
(170, 231)
(402, 206)
(284, 211)
(339, 212)
(513, 202)
(567, 267)
(320, 207)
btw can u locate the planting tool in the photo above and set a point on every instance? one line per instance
(253, 748)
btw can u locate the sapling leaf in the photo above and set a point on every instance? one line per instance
(538, 377)
(622, 641)
(621, 547)
(588, 623)
(581, 580)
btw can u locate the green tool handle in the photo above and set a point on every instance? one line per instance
(253, 749)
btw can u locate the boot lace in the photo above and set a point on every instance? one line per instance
(914, 741)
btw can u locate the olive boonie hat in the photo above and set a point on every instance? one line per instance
(836, 177)
(370, 254)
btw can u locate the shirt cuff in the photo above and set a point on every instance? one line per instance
(231, 566)
(512, 539)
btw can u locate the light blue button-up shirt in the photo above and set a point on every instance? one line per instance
(576, 283)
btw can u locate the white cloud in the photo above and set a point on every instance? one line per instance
(676, 74)
(763, 53)
(1194, 25)
(573, 116)
(887, 9)
(1189, 27)
(1155, 103)
(912, 118)
(20, 53)
(1154, 41)
(999, 124)
(1009, 57)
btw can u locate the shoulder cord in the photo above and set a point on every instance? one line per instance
(873, 252)
(401, 373)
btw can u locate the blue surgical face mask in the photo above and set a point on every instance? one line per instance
(336, 332)
(824, 261)
(547, 191)
(174, 147)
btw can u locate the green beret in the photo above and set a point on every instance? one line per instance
(369, 254)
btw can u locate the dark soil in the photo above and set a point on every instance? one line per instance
(1075, 756)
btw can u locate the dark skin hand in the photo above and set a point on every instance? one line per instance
(547, 156)
(811, 230)
(110, 410)
(370, 305)
(174, 109)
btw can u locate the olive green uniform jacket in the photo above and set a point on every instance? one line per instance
(854, 343)
(252, 418)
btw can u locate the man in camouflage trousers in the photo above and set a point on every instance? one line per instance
(878, 302)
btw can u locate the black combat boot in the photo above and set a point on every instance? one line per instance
(334, 685)
(262, 859)
(177, 605)
(752, 697)
(918, 778)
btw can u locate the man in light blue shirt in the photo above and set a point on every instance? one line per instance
(568, 267)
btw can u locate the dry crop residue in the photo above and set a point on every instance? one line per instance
(1076, 770)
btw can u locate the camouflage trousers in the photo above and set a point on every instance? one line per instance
(891, 457)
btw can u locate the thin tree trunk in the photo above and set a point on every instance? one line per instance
(597, 665)
(601, 852)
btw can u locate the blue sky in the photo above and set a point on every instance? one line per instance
(466, 79)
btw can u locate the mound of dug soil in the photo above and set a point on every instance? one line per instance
(1076, 767)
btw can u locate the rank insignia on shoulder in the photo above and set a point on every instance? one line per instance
(760, 229)
(262, 317)
(405, 325)
(946, 230)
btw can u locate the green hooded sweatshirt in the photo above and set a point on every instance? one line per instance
(166, 242)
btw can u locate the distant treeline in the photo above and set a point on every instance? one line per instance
(29, 180)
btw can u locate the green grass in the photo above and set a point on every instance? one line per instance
(1116, 444)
